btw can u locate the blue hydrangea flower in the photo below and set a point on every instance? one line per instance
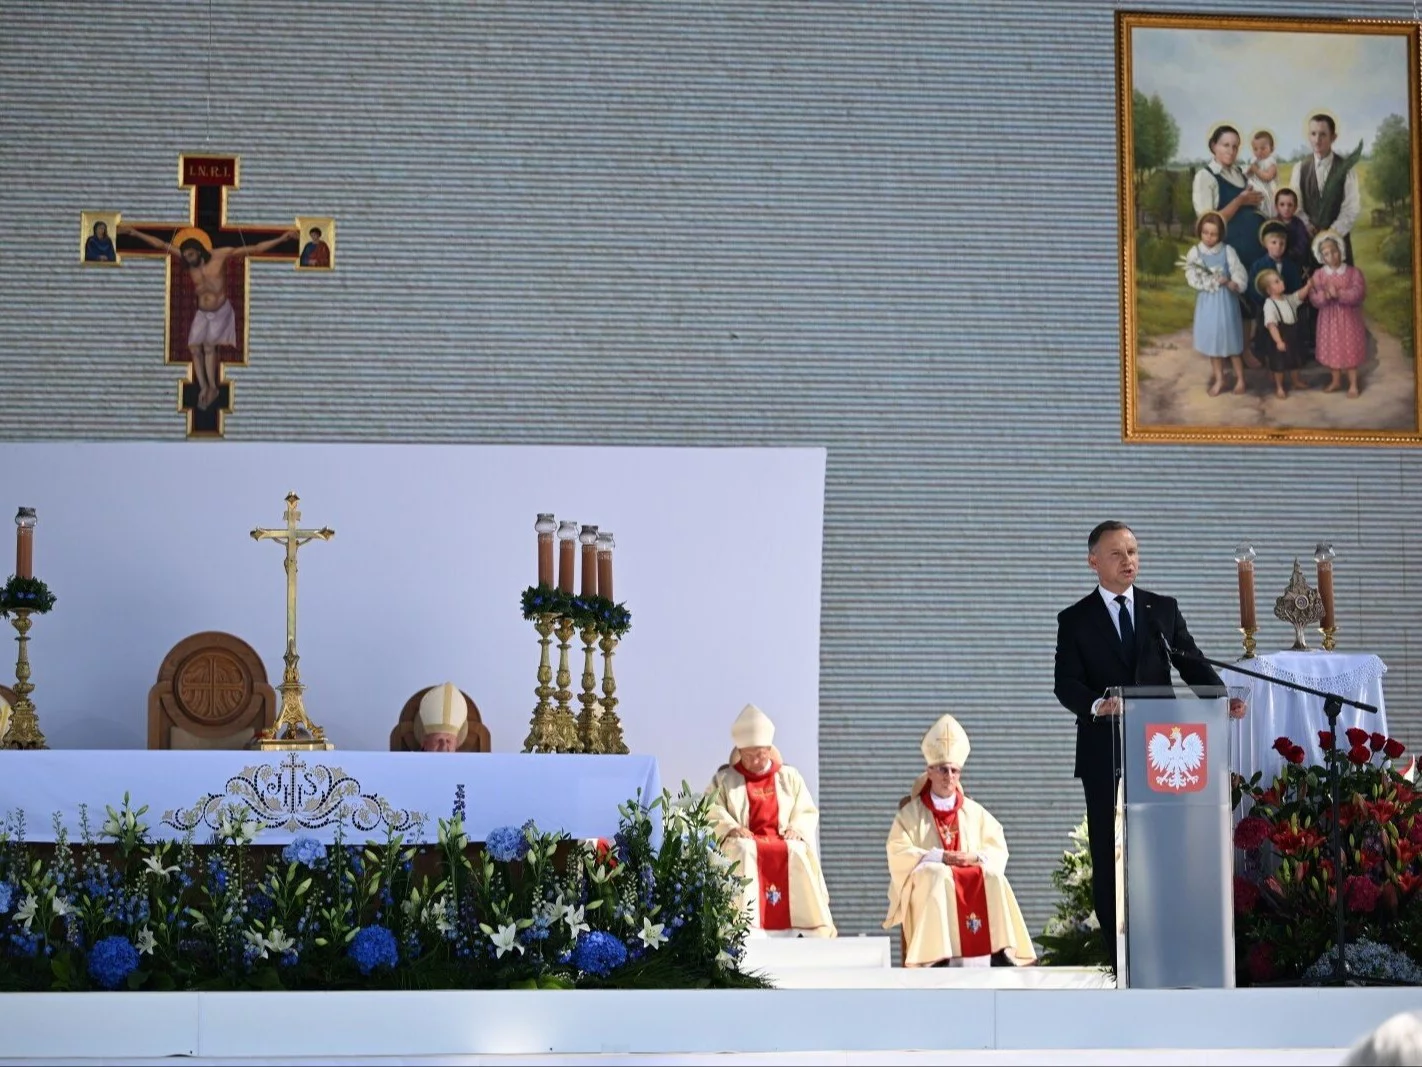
(506, 844)
(599, 953)
(374, 947)
(7, 896)
(305, 850)
(111, 962)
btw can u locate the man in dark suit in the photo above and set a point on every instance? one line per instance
(1111, 637)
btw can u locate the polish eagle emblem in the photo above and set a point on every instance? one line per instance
(1177, 758)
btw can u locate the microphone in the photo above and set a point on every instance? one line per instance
(1160, 636)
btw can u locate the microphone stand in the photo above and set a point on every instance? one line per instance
(1332, 705)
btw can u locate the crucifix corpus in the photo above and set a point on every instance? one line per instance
(292, 729)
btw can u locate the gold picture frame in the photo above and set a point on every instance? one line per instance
(1342, 96)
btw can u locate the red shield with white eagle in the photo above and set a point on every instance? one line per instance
(1175, 757)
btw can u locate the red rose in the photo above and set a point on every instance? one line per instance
(1359, 754)
(1282, 745)
(1392, 749)
(1295, 755)
(1250, 833)
(1357, 737)
(1377, 741)
(1246, 895)
(1360, 892)
(1260, 961)
(1325, 740)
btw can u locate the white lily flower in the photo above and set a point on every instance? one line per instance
(26, 912)
(155, 864)
(651, 934)
(574, 918)
(145, 942)
(504, 941)
(725, 959)
(62, 907)
(255, 940)
(278, 942)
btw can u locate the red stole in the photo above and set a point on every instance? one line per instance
(969, 890)
(772, 851)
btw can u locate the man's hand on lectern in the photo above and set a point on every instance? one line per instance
(1109, 706)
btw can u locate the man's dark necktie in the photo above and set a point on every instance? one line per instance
(1128, 630)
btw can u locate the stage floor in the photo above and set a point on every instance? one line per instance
(838, 1004)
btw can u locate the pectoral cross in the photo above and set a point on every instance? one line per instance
(292, 728)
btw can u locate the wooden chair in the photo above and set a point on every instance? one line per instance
(474, 737)
(211, 693)
(8, 695)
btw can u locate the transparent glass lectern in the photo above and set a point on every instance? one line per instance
(1175, 856)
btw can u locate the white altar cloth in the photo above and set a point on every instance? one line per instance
(1275, 711)
(291, 794)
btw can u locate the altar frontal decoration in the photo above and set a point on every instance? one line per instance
(1300, 605)
(24, 595)
(597, 618)
(206, 323)
(292, 729)
(531, 909)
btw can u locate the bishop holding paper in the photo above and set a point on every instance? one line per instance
(947, 864)
(765, 822)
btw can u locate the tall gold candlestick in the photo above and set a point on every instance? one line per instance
(1323, 555)
(610, 726)
(565, 725)
(589, 733)
(24, 722)
(1244, 562)
(541, 735)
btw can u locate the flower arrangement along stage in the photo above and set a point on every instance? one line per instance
(531, 910)
(1286, 889)
(1072, 937)
(25, 594)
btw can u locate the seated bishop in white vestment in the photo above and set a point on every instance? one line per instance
(443, 714)
(947, 868)
(765, 822)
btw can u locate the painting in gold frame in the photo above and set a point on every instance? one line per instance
(1244, 139)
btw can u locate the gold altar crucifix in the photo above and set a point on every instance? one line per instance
(292, 728)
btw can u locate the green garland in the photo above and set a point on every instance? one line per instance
(587, 612)
(25, 593)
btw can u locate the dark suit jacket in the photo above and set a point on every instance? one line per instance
(1090, 660)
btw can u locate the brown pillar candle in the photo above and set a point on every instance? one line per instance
(1325, 592)
(25, 543)
(567, 554)
(604, 565)
(588, 538)
(1247, 620)
(545, 527)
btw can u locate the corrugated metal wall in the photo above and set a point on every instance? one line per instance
(885, 227)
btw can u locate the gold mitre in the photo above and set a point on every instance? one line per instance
(4, 718)
(946, 742)
(442, 711)
(752, 728)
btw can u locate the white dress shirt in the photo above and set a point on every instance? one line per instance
(1115, 610)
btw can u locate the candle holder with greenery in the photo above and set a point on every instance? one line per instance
(19, 599)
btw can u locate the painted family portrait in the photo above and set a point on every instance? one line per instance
(1267, 179)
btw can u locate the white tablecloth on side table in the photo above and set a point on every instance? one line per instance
(290, 793)
(1276, 711)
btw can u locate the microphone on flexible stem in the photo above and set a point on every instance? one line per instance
(1160, 636)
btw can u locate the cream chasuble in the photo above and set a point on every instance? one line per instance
(804, 884)
(925, 899)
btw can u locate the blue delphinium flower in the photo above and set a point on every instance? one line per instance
(374, 947)
(599, 953)
(305, 850)
(111, 962)
(7, 896)
(506, 844)
(459, 801)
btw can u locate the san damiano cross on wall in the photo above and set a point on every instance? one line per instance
(206, 317)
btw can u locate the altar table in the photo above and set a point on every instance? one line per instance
(1275, 711)
(290, 794)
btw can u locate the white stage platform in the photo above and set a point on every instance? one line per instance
(838, 1003)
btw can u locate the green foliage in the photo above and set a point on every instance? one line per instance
(1072, 937)
(587, 612)
(1158, 199)
(19, 594)
(1184, 206)
(522, 912)
(1155, 135)
(1389, 177)
(1396, 250)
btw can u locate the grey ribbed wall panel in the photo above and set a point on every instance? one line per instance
(887, 227)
